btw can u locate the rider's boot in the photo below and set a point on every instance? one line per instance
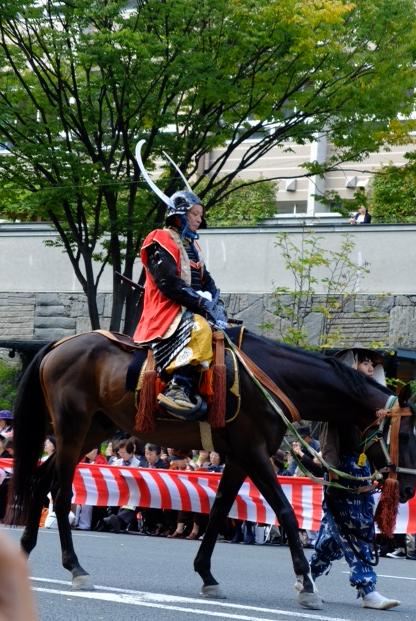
(179, 398)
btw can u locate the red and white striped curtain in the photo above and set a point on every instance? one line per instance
(195, 491)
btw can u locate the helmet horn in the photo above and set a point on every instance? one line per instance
(178, 170)
(152, 185)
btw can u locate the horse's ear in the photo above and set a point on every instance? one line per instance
(404, 395)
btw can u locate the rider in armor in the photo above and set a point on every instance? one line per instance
(180, 296)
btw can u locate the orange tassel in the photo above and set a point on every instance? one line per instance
(145, 417)
(388, 506)
(216, 413)
(205, 386)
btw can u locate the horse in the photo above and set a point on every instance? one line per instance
(78, 386)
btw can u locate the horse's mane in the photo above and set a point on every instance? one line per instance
(356, 383)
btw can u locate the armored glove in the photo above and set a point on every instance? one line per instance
(215, 313)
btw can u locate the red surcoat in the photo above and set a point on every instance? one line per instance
(159, 311)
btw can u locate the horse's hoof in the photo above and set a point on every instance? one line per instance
(82, 583)
(312, 601)
(212, 591)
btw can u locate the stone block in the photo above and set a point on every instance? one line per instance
(78, 306)
(403, 326)
(17, 299)
(50, 334)
(82, 324)
(48, 299)
(104, 303)
(65, 323)
(314, 323)
(50, 311)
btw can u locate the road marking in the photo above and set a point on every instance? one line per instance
(388, 576)
(160, 600)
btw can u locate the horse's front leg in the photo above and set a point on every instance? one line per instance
(263, 476)
(231, 480)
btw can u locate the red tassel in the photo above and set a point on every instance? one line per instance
(216, 416)
(387, 508)
(145, 417)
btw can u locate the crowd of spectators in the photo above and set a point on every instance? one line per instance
(132, 452)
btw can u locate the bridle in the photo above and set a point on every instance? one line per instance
(389, 445)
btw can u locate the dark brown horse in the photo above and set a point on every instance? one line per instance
(80, 386)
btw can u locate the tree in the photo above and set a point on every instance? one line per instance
(324, 282)
(394, 193)
(8, 385)
(246, 206)
(216, 84)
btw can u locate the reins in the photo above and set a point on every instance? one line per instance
(390, 446)
(393, 410)
(258, 377)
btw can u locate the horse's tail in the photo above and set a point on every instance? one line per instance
(30, 421)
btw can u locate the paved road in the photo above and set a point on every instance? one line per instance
(151, 579)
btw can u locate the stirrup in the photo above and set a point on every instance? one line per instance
(195, 413)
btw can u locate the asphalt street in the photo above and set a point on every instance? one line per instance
(149, 578)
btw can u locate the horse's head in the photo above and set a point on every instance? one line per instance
(393, 445)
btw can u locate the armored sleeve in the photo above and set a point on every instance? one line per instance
(163, 270)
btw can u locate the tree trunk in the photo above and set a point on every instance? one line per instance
(134, 306)
(119, 296)
(91, 293)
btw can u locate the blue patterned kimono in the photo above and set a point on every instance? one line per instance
(346, 515)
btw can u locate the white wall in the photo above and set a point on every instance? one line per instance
(241, 260)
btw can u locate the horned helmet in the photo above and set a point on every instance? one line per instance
(180, 202)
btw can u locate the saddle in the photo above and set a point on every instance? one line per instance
(219, 386)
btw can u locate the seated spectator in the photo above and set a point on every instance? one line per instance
(305, 434)
(201, 460)
(4, 475)
(244, 532)
(403, 547)
(311, 464)
(281, 461)
(4, 452)
(88, 516)
(49, 447)
(125, 516)
(139, 447)
(152, 454)
(361, 217)
(51, 519)
(216, 462)
(188, 523)
(6, 423)
(154, 520)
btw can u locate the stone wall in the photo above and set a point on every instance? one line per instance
(366, 320)
(48, 316)
(387, 320)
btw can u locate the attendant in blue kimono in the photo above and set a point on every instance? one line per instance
(347, 527)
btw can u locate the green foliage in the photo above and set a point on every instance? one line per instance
(8, 385)
(314, 268)
(344, 206)
(394, 193)
(217, 84)
(244, 205)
